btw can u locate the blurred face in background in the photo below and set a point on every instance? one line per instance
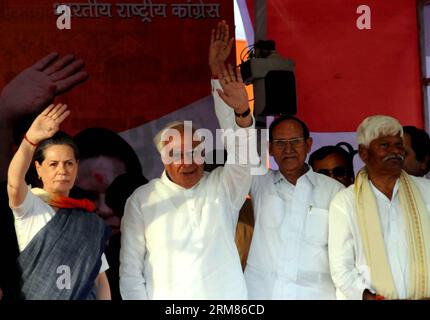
(94, 176)
(412, 165)
(334, 166)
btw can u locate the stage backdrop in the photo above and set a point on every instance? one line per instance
(148, 69)
(345, 74)
(147, 61)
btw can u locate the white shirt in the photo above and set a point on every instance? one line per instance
(288, 258)
(180, 243)
(31, 216)
(349, 268)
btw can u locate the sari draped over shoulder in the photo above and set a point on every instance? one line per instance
(63, 260)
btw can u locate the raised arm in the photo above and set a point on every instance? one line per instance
(43, 127)
(234, 95)
(32, 90)
(220, 48)
(241, 152)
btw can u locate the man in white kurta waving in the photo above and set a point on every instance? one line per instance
(288, 257)
(178, 231)
(379, 228)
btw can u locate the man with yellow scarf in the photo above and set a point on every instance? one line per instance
(379, 228)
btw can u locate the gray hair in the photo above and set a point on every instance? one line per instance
(178, 125)
(377, 126)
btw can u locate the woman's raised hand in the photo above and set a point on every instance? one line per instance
(47, 123)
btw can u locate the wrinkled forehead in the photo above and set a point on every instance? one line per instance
(387, 138)
(287, 129)
(181, 138)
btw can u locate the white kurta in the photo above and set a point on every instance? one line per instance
(180, 243)
(349, 268)
(288, 258)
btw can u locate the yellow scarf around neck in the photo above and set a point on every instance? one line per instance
(418, 237)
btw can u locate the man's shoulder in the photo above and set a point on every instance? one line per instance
(423, 185)
(146, 189)
(268, 176)
(264, 179)
(421, 181)
(345, 195)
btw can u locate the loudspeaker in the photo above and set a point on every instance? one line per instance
(275, 94)
(273, 80)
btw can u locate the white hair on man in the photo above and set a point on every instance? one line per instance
(160, 138)
(377, 126)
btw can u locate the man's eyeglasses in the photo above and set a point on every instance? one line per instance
(188, 157)
(282, 143)
(179, 156)
(338, 172)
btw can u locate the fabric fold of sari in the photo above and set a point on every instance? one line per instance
(63, 260)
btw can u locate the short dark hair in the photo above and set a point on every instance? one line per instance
(59, 138)
(323, 152)
(420, 141)
(286, 118)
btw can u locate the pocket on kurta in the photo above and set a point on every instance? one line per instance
(317, 226)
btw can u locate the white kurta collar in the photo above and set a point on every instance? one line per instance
(381, 195)
(309, 175)
(176, 187)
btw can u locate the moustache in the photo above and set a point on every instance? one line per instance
(394, 156)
